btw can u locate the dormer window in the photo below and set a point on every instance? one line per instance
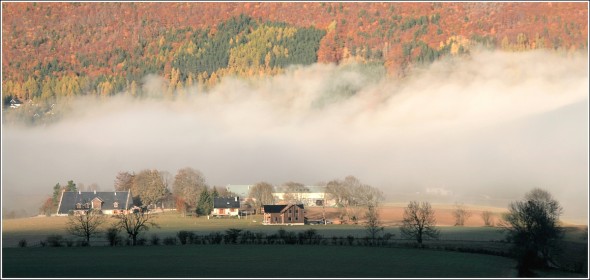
(116, 204)
(78, 205)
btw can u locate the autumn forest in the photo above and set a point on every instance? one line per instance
(53, 52)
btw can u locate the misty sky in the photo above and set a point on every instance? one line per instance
(479, 130)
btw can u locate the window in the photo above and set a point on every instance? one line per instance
(116, 204)
(289, 219)
(78, 205)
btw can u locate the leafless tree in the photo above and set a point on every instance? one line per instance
(353, 196)
(149, 187)
(419, 222)
(188, 184)
(85, 226)
(373, 224)
(294, 192)
(124, 181)
(262, 194)
(93, 187)
(135, 223)
(461, 214)
(487, 218)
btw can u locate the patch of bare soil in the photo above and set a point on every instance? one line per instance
(392, 215)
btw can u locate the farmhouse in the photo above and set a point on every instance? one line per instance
(107, 202)
(291, 214)
(309, 196)
(226, 206)
(15, 103)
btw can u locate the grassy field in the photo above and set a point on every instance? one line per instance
(37, 229)
(264, 260)
(203, 261)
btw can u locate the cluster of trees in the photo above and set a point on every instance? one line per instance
(352, 197)
(189, 189)
(50, 204)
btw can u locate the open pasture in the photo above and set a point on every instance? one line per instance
(248, 261)
(37, 229)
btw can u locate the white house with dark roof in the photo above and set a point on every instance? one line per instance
(109, 203)
(226, 207)
(15, 103)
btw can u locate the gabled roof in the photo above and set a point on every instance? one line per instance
(69, 200)
(279, 208)
(226, 202)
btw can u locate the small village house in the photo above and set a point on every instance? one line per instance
(290, 214)
(109, 203)
(226, 207)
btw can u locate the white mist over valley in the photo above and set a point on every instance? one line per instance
(483, 130)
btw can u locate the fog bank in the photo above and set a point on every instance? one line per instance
(479, 130)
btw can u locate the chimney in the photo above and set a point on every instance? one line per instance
(94, 191)
(236, 198)
(79, 192)
(115, 193)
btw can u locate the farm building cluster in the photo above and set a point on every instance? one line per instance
(236, 205)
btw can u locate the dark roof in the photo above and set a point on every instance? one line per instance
(69, 200)
(278, 208)
(226, 202)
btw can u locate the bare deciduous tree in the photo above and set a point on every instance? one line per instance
(487, 218)
(353, 196)
(149, 187)
(294, 192)
(85, 226)
(373, 224)
(135, 223)
(124, 181)
(188, 184)
(419, 222)
(461, 214)
(262, 194)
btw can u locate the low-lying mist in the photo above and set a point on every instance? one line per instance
(483, 130)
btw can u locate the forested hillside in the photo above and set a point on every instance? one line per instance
(54, 51)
